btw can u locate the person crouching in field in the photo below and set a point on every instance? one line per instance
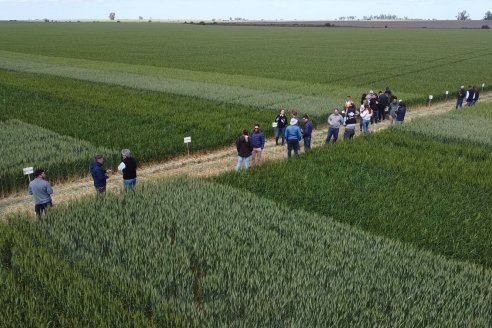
(42, 191)
(244, 150)
(129, 169)
(258, 143)
(293, 136)
(99, 174)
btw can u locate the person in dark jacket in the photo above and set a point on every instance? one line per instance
(307, 133)
(470, 96)
(373, 104)
(258, 143)
(244, 150)
(129, 169)
(477, 95)
(281, 121)
(99, 174)
(400, 112)
(461, 96)
(383, 108)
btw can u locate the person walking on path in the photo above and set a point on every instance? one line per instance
(258, 143)
(307, 133)
(129, 169)
(244, 150)
(470, 96)
(293, 136)
(281, 121)
(373, 103)
(461, 97)
(334, 122)
(295, 117)
(42, 191)
(350, 124)
(400, 112)
(99, 174)
(365, 115)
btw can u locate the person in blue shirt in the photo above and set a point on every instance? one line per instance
(99, 174)
(258, 143)
(293, 136)
(400, 112)
(307, 133)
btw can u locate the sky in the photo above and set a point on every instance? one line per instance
(248, 9)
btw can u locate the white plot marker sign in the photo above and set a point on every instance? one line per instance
(28, 171)
(430, 99)
(187, 141)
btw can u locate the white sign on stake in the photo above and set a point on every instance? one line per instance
(431, 97)
(274, 124)
(447, 93)
(187, 140)
(28, 170)
(483, 85)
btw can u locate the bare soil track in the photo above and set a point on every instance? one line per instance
(201, 164)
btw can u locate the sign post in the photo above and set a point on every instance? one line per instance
(187, 141)
(447, 94)
(28, 171)
(430, 99)
(483, 86)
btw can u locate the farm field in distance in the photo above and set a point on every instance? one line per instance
(388, 230)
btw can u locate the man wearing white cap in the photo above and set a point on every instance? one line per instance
(293, 136)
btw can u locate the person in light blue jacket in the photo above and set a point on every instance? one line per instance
(293, 136)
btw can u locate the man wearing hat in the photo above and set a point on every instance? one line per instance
(99, 174)
(293, 136)
(41, 190)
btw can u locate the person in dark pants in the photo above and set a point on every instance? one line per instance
(470, 96)
(400, 112)
(383, 108)
(129, 169)
(281, 121)
(373, 103)
(99, 174)
(307, 133)
(334, 122)
(350, 123)
(461, 97)
(477, 95)
(244, 151)
(293, 136)
(42, 191)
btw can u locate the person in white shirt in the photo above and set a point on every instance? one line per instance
(365, 115)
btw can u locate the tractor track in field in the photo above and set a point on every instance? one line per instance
(200, 164)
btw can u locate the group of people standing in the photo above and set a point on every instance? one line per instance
(374, 108)
(471, 96)
(41, 189)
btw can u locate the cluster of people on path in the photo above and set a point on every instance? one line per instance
(374, 108)
(471, 96)
(41, 189)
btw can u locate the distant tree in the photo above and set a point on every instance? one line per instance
(463, 16)
(488, 16)
(140, 18)
(46, 20)
(112, 16)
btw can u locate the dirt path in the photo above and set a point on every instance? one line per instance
(202, 164)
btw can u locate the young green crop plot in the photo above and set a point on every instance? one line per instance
(466, 125)
(394, 183)
(336, 62)
(252, 263)
(25, 145)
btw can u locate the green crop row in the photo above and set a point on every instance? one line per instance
(224, 257)
(405, 187)
(412, 60)
(43, 289)
(25, 145)
(467, 125)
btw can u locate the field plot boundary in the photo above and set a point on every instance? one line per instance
(232, 94)
(200, 164)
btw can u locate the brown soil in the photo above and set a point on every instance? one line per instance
(203, 164)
